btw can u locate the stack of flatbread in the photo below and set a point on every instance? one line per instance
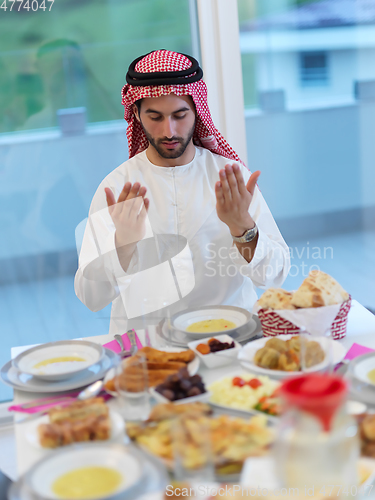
(317, 290)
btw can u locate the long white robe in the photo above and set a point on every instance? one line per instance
(194, 261)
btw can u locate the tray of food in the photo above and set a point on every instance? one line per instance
(232, 441)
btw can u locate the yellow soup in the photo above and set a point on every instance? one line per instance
(87, 482)
(371, 376)
(61, 359)
(211, 326)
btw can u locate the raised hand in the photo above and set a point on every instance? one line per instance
(233, 199)
(128, 213)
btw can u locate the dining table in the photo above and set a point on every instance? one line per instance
(360, 330)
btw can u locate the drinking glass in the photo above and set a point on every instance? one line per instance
(159, 312)
(308, 353)
(192, 450)
(132, 388)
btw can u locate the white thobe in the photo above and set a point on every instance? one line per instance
(195, 261)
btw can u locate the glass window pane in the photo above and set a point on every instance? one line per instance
(309, 91)
(61, 132)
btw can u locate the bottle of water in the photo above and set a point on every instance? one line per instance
(317, 447)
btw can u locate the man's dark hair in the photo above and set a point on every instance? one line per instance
(138, 104)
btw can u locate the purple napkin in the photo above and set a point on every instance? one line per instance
(357, 350)
(114, 346)
(44, 404)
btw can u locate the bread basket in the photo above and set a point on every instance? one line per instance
(273, 324)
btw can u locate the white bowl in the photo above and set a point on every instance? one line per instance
(240, 317)
(41, 477)
(201, 398)
(90, 352)
(215, 359)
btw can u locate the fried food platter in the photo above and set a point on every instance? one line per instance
(161, 365)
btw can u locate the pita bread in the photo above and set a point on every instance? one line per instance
(276, 298)
(317, 290)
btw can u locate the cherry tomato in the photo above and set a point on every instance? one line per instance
(238, 381)
(254, 383)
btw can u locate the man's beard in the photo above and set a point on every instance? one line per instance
(176, 153)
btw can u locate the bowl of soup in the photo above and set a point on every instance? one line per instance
(83, 472)
(212, 320)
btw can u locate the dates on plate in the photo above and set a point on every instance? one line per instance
(181, 385)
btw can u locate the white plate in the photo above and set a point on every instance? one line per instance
(201, 398)
(90, 352)
(247, 353)
(180, 339)
(43, 475)
(220, 358)
(31, 429)
(362, 368)
(21, 381)
(192, 367)
(240, 317)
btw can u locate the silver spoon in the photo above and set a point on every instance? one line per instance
(91, 391)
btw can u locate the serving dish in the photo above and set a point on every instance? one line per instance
(11, 376)
(58, 360)
(220, 358)
(247, 353)
(166, 437)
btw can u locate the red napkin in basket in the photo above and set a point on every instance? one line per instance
(114, 346)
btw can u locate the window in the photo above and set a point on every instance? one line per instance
(314, 69)
(61, 132)
(316, 154)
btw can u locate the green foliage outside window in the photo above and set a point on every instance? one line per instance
(77, 54)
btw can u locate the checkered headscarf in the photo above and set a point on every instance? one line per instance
(158, 64)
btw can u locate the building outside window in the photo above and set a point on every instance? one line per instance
(314, 69)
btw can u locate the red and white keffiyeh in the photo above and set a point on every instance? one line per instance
(205, 134)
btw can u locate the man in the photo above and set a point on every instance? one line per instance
(203, 235)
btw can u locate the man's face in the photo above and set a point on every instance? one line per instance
(168, 122)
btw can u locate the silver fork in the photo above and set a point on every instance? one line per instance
(131, 337)
(123, 353)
